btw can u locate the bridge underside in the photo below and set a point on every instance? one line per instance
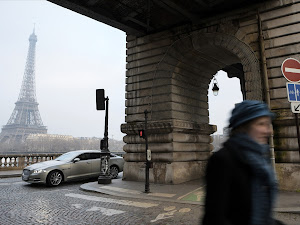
(170, 65)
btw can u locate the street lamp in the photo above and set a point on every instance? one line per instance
(102, 104)
(215, 87)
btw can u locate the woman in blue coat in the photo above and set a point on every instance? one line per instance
(241, 185)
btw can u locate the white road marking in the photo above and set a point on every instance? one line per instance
(77, 206)
(164, 216)
(199, 195)
(292, 70)
(108, 200)
(170, 210)
(104, 211)
(184, 210)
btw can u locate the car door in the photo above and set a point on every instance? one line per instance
(112, 159)
(118, 161)
(81, 168)
(95, 161)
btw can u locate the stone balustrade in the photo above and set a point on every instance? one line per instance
(20, 161)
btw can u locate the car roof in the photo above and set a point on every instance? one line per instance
(85, 151)
(92, 151)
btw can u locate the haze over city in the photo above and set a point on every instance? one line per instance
(76, 55)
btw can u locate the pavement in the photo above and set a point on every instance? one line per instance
(192, 192)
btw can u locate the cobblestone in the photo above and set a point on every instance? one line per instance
(22, 203)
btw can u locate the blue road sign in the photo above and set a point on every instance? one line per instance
(297, 89)
(290, 87)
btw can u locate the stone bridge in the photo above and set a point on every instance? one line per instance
(174, 48)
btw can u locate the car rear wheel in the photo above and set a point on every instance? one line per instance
(114, 171)
(54, 178)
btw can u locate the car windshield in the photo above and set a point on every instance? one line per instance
(67, 156)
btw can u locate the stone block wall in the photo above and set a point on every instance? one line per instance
(281, 31)
(168, 74)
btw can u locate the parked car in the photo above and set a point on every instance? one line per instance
(81, 164)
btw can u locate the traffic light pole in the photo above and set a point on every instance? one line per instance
(147, 185)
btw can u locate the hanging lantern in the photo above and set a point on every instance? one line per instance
(215, 87)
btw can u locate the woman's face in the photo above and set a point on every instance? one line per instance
(260, 129)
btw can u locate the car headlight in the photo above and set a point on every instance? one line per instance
(39, 171)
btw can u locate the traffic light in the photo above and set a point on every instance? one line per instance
(142, 134)
(100, 99)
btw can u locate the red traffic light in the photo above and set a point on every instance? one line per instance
(142, 133)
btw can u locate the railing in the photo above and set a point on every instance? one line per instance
(20, 161)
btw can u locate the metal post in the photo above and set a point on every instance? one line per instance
(106, 123)
(104, 177)
(297, 127)
(266, 85)
(147, 185)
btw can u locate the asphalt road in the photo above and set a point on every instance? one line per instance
(23, 203)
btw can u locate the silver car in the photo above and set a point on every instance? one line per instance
(81, 164)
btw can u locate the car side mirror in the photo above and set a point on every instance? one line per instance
(76, 160)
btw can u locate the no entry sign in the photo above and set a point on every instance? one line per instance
(291, 69)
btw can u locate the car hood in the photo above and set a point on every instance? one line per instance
(45, 165)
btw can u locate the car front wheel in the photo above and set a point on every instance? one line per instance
(114, 171)
(54, 178)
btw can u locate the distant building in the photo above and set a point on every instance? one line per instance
(37, 137)
(219, 139)
(64, 143)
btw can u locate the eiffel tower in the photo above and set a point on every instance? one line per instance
(25, 118)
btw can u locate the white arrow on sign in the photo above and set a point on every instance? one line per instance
(295, 106)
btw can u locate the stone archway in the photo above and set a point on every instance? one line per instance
(175, 93)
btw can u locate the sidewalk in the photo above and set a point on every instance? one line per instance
(191, 192)
(10, 173)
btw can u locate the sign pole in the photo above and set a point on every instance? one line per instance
(297, 127)
(147, 185)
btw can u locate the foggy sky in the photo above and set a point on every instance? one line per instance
(75, 55)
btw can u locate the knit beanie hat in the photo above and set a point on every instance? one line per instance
(248, 110)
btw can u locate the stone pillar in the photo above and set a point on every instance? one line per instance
(169, 75)
(180, 150)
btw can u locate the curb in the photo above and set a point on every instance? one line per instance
(87, 187)
(10, 175)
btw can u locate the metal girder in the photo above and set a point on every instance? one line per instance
(203, 4)
(176, 9)
(92, 2)
(101, 16)
(132, 15)
(140, 17)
